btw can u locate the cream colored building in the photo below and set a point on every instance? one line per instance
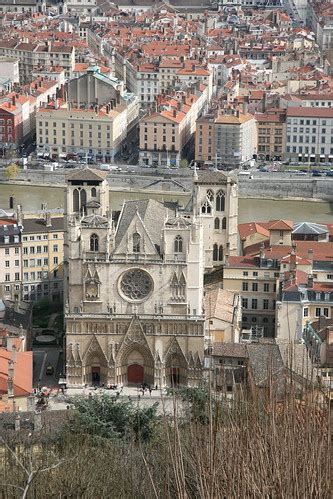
(134, 297)
(256, 281)
(42, 258)
(93, 123)
(228, 139)
(164, 134)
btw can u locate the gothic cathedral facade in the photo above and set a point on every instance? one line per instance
(134, 283)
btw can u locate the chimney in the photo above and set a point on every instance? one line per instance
(245, 107)
(310, 281)
(111, 105)
(262, 251)
(13, 100)
(292, 264)
(48, 219)
(310, 254)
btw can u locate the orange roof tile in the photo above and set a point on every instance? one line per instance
(22, 372)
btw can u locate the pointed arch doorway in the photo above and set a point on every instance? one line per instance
(135, 374)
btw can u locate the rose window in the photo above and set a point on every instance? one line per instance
(136, 284)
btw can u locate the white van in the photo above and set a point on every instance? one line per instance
(245, 174)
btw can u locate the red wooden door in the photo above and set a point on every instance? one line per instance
(135, 374)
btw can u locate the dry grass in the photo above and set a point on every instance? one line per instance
(258, 448)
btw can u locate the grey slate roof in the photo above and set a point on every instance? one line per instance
(95, 220)
(237, 350)
(265, 361)
(87, 174)
(309, 228)
(212, 177)
(34, 225)
(152, 213)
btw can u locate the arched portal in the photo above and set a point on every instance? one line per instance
(176, 370)
(135, 366)
(95, 369)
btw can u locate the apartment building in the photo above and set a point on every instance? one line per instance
(9, 69)
(10, 259)
(23, 6)
(32, 55)
(42, 258)
(93, 124)
(302, 301)
(255, 280)
(228, 139)
(271, 136)
(148, 85)
(309, 134)
(165, 134)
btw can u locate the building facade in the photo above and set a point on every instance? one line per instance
(165, 134)
(228, 139)
(10, 259)
(94, 122)
(309, 135)
(42, 258)
(134, 289)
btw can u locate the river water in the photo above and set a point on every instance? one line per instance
(31, 197)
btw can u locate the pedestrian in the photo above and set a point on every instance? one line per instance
(155, 387)
(150, 390)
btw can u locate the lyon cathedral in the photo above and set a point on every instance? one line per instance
(134, 280)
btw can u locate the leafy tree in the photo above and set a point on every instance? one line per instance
(183, 163)
(12, 171)
(197, 400)
(109, 417)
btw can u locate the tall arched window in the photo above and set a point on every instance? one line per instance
(93, 192)
(76, 201)
(178, 244)
(220, 201)
(206, 208)
(215, 252)
(224, 223)
(83, 201)
(221, 253)
(94, 242)
(210, 195)
(136, 242)
(216, 223)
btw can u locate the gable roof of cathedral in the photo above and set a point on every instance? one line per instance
(212, 177)
(87, 174)
(152, 214)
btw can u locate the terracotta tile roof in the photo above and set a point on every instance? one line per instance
(219, 304)
(242, 261)
(248, 229)
(232, 119)
(311, 112)
(280, 225)
(22, 372)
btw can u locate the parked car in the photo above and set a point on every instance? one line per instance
(49, 370)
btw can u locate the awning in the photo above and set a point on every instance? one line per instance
(46, 155)
(40, 154)
(322, 155)
(62, 155)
